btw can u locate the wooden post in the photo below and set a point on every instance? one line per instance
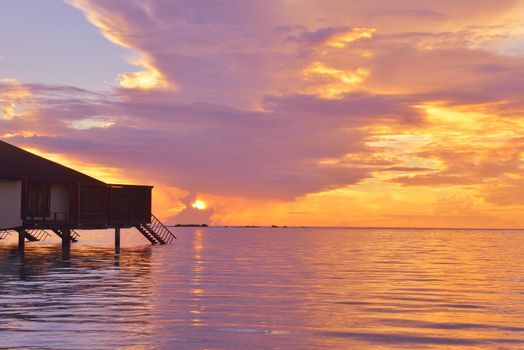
(21, 240)
(117, 240)
(66, 244)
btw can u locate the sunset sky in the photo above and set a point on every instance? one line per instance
(286, 112)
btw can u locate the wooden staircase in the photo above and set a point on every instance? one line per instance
(38, 235)
(35, 235)
(4, 234)
(73, 237)
(156, 232)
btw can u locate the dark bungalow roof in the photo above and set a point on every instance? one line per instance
(17, 164)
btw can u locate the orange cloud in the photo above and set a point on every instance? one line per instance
(13, 96)
(148, 79)
(339, 81)
(343, 39)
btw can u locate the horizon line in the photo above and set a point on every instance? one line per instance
(351, 227)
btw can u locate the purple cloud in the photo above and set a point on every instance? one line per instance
(244, 122)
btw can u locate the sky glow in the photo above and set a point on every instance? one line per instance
(345, 113)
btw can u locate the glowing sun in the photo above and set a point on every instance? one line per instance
(199, 204)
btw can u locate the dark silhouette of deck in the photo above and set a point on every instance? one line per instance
(54, 199)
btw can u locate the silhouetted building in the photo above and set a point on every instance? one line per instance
(38, 194)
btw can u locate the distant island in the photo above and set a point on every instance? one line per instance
(191, 225)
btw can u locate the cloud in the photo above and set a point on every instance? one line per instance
(274, 101)
(338, 37)
(415, 13)
(148, 79)
(217, 149)
(435, 180)
(506, 192)
(406, 169)
(192, 215)
(12, 94)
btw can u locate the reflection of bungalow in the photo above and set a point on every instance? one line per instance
(38, 195)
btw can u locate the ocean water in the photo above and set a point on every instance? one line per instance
(232, 288)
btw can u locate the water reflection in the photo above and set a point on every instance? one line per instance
(270, 289)
(71, 304)
(196, 308)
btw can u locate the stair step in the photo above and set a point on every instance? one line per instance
(73, 237)
(34, 235)
(156, 232)
(146, 234)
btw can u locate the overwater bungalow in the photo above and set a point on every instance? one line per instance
(39, 197)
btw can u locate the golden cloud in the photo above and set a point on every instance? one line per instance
(340, 41)
(15, 94)
(148, 79)
(341, 81)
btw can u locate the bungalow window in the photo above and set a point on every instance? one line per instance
(38, 199)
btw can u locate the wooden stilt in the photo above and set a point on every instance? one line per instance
(117, 240)
(21, 240)
(66, 244)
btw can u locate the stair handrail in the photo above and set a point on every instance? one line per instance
(40, 234)
(163, 231)
(74, 234)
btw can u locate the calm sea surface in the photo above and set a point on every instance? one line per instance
(220, 288)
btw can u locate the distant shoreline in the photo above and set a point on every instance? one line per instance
(348, 227)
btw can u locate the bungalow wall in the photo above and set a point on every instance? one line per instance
(44, 201)
(10, 203)
(59, 202)
(114, 205)
(52, 205)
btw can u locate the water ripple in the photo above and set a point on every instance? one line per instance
(268, 289)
